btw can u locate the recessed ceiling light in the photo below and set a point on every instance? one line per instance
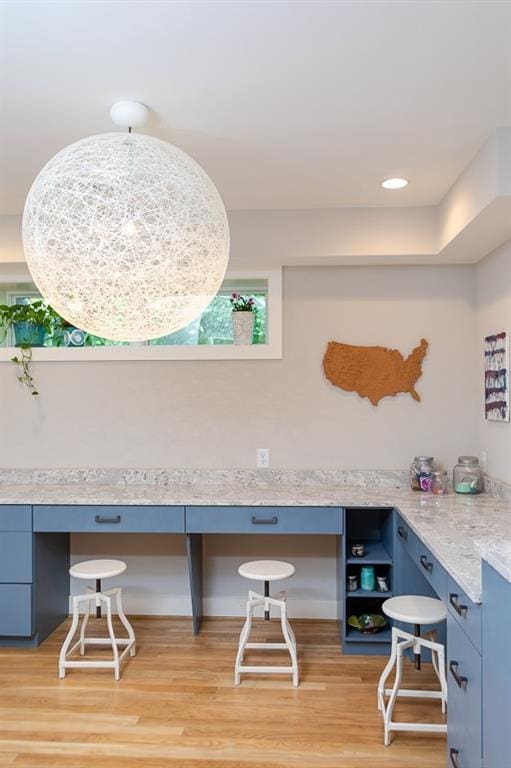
(394, 183)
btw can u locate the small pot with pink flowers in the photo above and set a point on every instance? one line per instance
(243, 316)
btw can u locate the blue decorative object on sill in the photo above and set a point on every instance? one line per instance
(367, 578)
(28, 333)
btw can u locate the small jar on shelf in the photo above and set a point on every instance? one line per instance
(468, 475)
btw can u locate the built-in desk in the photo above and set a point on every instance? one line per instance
(34, 540)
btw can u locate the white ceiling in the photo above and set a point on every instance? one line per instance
(286, 104)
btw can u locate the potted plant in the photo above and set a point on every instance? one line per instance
(242, 318)
(30, 322)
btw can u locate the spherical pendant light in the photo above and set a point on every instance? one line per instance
(125, 236)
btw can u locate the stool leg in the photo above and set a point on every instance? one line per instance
(386, 672)
(417, 662)
(290, 645)
(108, 604)
(124, 621)
(98, 604)
(69, 637)
(387, 717)
(267, 594)
(439, 652)
(244, 635)
(82, 630)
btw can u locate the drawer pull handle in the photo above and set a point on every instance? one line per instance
(425, 564)
(101, 519)
(265, 520)
(402, 533)
(461, 682)
(453, 755)
(458, 607)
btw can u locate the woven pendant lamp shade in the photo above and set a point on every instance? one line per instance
(126, 236)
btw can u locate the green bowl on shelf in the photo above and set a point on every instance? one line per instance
(368, 623)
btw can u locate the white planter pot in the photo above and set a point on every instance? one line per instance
(242, 327)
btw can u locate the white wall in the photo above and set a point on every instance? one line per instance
(493, 314)
(209, 414)
(215, 414)
(156, 581)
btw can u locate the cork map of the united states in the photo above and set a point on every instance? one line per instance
(374, 372)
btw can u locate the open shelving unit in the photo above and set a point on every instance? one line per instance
(374, 529)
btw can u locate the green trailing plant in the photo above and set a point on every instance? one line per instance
(24, 375)
(38, 313)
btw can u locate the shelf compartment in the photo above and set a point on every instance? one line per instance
(353, 636)
(364, 594)
(375, 553)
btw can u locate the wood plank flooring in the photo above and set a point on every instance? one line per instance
(176, 706)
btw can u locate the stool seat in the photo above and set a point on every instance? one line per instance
(97, 569)
(415, 609)
(266, 570)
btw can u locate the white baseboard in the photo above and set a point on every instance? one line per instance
(164, 605)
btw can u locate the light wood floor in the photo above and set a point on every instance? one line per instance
(176, 706)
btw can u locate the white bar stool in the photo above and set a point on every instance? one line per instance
(97, 570)
(417, 610)
(266, 571)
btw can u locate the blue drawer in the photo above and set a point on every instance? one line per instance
(430, 567)
(15, 610)
(466, 613)
(264, 520)
(109, 519)
(15, 517)
(15, 557)
(464, 683)
(405, 536)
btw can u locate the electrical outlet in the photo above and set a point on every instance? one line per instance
(263, 458)
(483, 460)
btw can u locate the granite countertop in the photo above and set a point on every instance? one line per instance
(458, 530)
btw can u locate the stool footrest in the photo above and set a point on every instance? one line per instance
(106, 641)
(270, 646)
(415, 694)
(266, 670)
(427, 727)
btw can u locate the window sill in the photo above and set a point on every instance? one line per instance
(145, 353)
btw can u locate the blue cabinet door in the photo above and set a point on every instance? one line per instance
(15, 557)
(466, 613)
(496, 639)
(15, 610)
(464, 684)
(409, 578)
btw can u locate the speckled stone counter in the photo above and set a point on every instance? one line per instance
(458, 530)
